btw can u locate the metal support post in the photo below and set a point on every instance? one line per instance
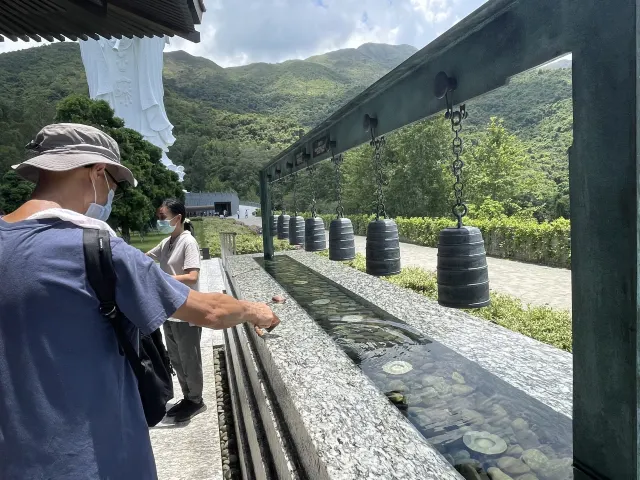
(265, 205)
(603, 169)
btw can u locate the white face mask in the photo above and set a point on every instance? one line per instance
(165, 227)
(97, 211)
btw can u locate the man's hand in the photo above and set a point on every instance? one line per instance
(263, 316)
(219, 311)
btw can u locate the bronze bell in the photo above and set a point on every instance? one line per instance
(383, 248)
(342, 244)
(283, 227)
(274, 225)
(315, 239)
(296, 230)
(463, 275)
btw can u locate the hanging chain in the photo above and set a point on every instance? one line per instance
(337, 162)
(282, 189)
(295, 200)
(460, 208)
(312, 171)
(378, 145)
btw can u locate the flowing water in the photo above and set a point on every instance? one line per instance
(481, 424)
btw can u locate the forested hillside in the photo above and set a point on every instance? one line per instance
(230, 121)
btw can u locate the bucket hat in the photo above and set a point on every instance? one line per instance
(65, 146)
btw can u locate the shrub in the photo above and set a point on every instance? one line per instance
(514, 238)
(544, 324)
(247, 240)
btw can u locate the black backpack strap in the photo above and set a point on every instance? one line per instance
(102, 278)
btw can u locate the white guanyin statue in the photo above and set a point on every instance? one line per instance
(127, 73)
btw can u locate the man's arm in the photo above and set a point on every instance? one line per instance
(148, 296)
(219, 311)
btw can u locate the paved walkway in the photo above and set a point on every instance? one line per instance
(191, 451)
(534, 284)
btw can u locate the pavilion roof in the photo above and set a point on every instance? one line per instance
(82, 19)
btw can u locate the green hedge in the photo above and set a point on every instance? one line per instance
(247, 241)
(544, 324)
(527, 241)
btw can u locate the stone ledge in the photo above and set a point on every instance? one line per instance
(342, 425)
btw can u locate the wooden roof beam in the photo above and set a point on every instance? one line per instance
(191, 36)
(197, 9)
(73, 19)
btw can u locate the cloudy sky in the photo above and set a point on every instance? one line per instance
(237, 32)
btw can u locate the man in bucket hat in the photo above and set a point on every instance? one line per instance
(69, 403)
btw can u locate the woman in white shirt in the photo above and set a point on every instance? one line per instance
(179, 256)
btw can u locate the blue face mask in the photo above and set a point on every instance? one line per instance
(165, 227)
(97, 211)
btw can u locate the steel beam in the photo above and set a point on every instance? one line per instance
(504, 38)
(501, 39)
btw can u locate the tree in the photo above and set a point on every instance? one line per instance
(415, 172)
(13, 191)
(137, 207)
(494, 166)
(498, 168)
(420, 181)
(358, 187)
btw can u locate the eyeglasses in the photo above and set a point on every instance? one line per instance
(120, 187)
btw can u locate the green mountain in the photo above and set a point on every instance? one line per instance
(306, 91)
(257, 108)
(230, 120)
(537, 107)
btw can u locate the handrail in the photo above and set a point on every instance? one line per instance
(227, 247)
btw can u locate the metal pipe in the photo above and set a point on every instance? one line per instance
(265, 205)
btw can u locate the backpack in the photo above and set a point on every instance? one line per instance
(151, 366)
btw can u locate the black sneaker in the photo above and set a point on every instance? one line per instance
(189, 411)
(173, 411)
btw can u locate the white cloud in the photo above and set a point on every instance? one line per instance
(245, 31)
(236, 32)
(9, 46)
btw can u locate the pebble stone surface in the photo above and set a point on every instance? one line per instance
(354, 431)
(542, 371)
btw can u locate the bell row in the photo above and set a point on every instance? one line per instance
(462, 272)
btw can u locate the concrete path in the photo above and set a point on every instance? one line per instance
(191, 451)
(534, 284)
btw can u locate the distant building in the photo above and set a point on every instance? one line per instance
(211, 204)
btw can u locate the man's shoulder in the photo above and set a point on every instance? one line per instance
(122, 250)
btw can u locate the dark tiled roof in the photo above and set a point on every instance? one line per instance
(82, 19)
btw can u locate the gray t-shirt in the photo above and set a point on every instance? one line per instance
(69, 403)
(177, 258)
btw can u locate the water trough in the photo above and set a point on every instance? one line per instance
(364, 379)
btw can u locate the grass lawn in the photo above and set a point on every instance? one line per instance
(150, 241)
(545, 324)
(247, 241)
(211, 226)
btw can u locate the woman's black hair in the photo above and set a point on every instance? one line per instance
(176, 207)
